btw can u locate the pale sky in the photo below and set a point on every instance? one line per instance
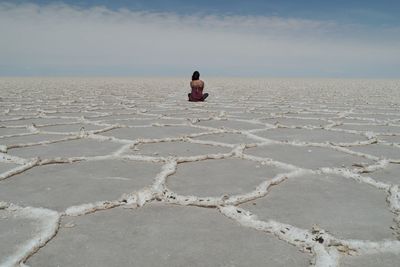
(218, 38)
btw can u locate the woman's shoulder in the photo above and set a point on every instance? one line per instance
(197, 82)
(200, 82)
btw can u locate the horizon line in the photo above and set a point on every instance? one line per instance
(207, 76)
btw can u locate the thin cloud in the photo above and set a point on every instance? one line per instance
(71, 38)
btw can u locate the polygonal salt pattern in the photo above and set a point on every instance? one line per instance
(30, 139)
(220, 177)
(152, 132)
(112, 118)
(381, 260)
(133, 122)
(389, 174)
(314, 115)
(304, 202)
(66, 149)
(176, 149)
(355, 121)
(312, 136)
(237, 125)
(306, 156)
(12, 131)
(70, 128)
(249, 115)
(14, 231)
(39, 121)
(59, 186)
(390, 138)
(374, 128)
(296, 121)
(381, 116)
(177, 170)
(380, 150)
(159, 235)
(229, 138)
(4, 166)
(75, 114)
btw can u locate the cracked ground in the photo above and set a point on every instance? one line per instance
(267, 172)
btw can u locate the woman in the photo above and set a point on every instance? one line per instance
(197, 86)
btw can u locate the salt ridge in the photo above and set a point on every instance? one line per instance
(327, 253)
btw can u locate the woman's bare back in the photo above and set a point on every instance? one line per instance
(197, 86)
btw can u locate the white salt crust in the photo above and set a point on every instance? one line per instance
(250, 110)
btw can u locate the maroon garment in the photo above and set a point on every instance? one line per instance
(197, 93)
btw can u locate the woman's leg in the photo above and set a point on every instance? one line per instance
(204, 97)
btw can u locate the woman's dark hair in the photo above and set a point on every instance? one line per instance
(195, 76)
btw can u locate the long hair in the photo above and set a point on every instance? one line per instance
(195, 76)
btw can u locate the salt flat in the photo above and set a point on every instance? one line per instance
(267, 172)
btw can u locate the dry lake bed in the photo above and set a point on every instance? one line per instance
(267, 172)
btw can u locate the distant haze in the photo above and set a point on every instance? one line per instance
(63, 39)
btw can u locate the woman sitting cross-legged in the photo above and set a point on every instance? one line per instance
(197, 86)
